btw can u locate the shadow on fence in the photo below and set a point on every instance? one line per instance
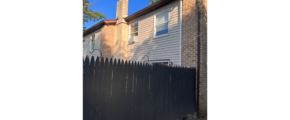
(128, 90)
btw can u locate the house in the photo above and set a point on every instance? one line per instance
(169, 31)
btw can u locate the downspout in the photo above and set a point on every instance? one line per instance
(180, 30)
(198, 54)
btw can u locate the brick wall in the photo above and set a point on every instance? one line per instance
(189, 45)
(107, 41)
(121, 41)
(189, 34)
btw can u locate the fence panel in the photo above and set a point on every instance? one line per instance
(130, 90)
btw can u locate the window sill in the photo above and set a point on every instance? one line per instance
(160, 36)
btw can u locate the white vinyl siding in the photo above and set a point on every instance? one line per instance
(164, 47)
(89, 45)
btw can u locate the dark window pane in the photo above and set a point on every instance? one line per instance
(161, 30)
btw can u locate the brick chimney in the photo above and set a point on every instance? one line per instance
(121, 32)
(122, 10)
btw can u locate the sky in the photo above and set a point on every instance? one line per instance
(108, 7)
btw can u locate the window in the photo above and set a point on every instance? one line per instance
(84, 46)
(133, 37)
(161, 62)
(92, 43)
(161, 23)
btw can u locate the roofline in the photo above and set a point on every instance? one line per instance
(148, 9)
(137, 14)
(99, 25)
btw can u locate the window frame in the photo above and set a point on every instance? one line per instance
(158, 61)
(92, 42)
(134, 32)
(155, 26)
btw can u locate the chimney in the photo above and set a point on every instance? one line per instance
(121, 32)
(122, 10)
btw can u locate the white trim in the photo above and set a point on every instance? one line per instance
(91, 38)
(130, 30)
(180, 8)
(154, 17)
(161, 36)
(92, 42)
(154, 31)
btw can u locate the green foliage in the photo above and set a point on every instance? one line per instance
(90, 15)
(152, 1)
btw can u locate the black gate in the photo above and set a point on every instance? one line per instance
(118, 90)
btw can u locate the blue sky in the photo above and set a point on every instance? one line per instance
(108, 7)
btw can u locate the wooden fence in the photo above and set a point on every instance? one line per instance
(118, 90)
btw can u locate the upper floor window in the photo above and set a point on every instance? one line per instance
(133, 37)
(161, 23)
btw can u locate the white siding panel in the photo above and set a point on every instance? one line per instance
(166, 47)
(87, 39)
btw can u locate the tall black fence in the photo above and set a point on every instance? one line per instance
(118, 90)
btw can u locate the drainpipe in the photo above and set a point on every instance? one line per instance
(180, 31)
(198, 53)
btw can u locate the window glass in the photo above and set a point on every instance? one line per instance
(134, 28)
(161, 25)
(161, 30)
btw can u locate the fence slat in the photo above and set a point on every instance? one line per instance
(85, 89)
(96, 89)
(129, 103)
(102, 89)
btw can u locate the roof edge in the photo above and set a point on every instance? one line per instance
(148, 9)
(99, 25)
